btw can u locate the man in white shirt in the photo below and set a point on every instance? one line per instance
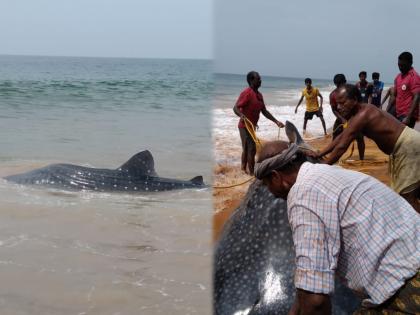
(348, 224)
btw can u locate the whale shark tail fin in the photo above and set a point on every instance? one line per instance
(140, 164)
(198, 180)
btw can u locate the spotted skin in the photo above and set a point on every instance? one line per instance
(136, 175)
(254, 259)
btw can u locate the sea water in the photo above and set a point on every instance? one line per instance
(105, 253)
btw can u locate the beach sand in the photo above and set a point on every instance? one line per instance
(226, 200)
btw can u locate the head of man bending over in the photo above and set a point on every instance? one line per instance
(278, 164)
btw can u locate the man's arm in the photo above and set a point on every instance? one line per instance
(414, 104)
(268, 115)
(388, 92)
(237, 111)
(310, 303)
(316, 239)
(300, 101)
(339, 146)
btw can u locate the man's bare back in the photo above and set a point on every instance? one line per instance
(372, 122)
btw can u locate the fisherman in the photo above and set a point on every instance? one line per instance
(311, 95)
(391, 136)
(339, 80)
(364, 87)
(348, 224)
(249, 106)
(407, 90)
(377, 88)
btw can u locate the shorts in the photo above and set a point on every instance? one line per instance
(404, 161)
(310, 115)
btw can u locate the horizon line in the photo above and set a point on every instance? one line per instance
(104, 57)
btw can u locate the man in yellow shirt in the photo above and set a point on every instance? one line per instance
(312, 107)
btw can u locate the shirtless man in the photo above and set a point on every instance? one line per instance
(391, 136)
(339, 81)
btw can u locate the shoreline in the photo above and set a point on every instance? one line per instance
(226, 200)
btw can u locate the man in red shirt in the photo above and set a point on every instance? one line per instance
(407, 90)
(250, 104)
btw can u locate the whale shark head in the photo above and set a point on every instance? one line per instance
(140, 164)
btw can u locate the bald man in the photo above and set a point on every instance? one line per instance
(391, 136)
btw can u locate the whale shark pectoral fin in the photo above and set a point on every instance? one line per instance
(140, 164)
(198, 180)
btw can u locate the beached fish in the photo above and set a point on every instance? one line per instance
(254, 257)
(137, 174)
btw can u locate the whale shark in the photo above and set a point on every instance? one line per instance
(137, 174)
(254, 258)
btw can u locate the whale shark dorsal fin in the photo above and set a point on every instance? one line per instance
(294, 136)
(198, 180)
(140, 164)
(292, 133)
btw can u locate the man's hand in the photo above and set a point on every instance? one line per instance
(280, 124)
(311, 153)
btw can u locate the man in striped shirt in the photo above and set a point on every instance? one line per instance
(345, 224)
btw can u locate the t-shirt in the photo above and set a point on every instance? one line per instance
(250, 103)
(405, 88)
(365, 90)
(377, 88)
(311, 99)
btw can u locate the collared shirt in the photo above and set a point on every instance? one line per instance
(311, 99)
(405, 87)
(250, 103)
(349, 224)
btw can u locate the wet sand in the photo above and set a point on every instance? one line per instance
(227, 199)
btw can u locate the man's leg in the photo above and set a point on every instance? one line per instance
(244, 158)
(252, 150)
(361, 146)
(323, 122)
(305, 121)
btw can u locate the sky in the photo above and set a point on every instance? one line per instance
(317, 39)
(107, 28)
